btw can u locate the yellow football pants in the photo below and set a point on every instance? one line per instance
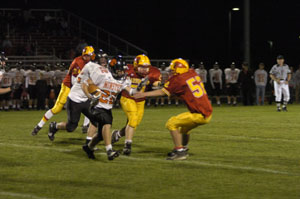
(61, 99)
(133, 110)
(186, 122)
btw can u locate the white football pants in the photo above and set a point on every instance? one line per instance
(280, 89)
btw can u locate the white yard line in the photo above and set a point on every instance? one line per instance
(36, 147)
(20, 195)
(190, 162)
(234, 136)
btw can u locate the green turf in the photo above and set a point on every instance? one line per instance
(245, 152)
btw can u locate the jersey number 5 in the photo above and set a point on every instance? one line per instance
(196, 86)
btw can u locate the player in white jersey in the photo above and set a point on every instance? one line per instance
(281, 75)
(215, 77)
(31, 77)
(202, 72)
(6, 82)
(18, 86)
(231, 80)
(110, 84)
(3, 60)
(261, 79)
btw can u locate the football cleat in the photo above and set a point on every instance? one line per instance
(112, 154)
(284, 109)
(178, 155)
(52, 131)
(115, 136)
(88, 151)
(35, 130)
(127, 149)
(171, 153)
(278, 109)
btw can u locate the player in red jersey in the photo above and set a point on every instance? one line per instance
(140, 71)
(76, 66)
(187, 85)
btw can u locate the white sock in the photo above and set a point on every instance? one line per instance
(128, 141)
(86, 121)
(108, 147)
(89, 138)
(41, 123)
(48, 115)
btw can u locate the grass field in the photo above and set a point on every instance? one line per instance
(245, 152)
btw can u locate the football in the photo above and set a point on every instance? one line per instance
(93, 89)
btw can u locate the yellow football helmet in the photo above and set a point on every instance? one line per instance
(89, 50)
(142, 65)
(141, 60)
(179, 66)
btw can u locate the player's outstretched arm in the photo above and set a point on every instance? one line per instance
(154, 93)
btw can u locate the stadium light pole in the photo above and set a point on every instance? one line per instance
(247, 54)
(229, 31)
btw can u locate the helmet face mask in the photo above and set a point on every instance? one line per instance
(116, 66)
(142, 65)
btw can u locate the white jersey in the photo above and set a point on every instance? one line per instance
(48, 76)
(280, 72)
(31, 78)
(260, 77)
(7, 79)
(202, 73)
(232, 75)
(18, 76)
(215, 76)
(102, 78)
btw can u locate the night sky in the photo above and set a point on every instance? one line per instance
(194, 29)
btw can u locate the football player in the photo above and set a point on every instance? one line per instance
(140, 73)
(187, 85)
(231, 80)
(215, 77)
(109, 85)
(3, 60)
(76, 66)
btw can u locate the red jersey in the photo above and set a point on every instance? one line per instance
(189, 87)
(74, 70)
(153, 76)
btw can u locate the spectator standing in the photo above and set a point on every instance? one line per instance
(261, 79)
(215, 77)
(246, 84)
